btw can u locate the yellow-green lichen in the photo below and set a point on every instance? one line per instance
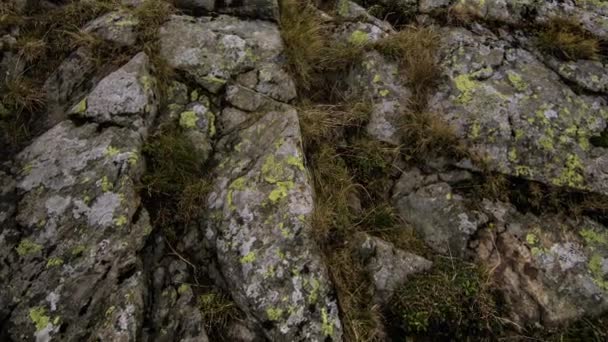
(327, 327)
(377, 78)
(596, 269)
(531, 239)
(133, 158)
(384, 92)
(475, 130)
(593, 237)
(512, 155)
(314, 292)
(39, 317)
(194, 95)
(571, 175)
(27, 247)
(54, 262)
(272, 171)
(546, 143)
(358, 38)
(112, 308)
(106, 185)
(120, 220)
(183, 288)
(295, 161)
(188, 119)
(78, 250)
(249, 258)
(466, 86)
(280, 191)
(274, 314)
(111, 151)
(81, 107)
(517, 81)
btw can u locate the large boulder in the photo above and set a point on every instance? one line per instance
(518, 115)
(213, 50)
(551, 269)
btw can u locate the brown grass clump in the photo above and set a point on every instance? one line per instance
(566, 39)
(217, 309)
(427, 134)
(363, 321)
(416, 49)
(303, 32)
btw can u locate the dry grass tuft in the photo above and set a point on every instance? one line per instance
(426, 134)
(363, 321)
(21, 94)
(303, 32)
(566, 39)
(416, 49)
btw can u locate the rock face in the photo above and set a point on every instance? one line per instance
(551, 269)
(519, 114)
(81, 257)
(389, 266)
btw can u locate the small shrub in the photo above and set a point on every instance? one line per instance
(566, 39)
(452, 300)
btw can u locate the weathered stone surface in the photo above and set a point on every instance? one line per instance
(258, 9)
(438, 215)
(261, 203)
(389, 266)
(212, 51)
(66, 83)
(518, 115)
(118, 27)
(551, 269)
(78, 236)
(377, 79)
(126, 97)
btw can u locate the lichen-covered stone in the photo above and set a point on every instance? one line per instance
(379, 80)
(517, 115)
(388, 266)
(438, 215)
(118, 27)
(551, 268)
(261, 203)
(126, 97)
(212, 51)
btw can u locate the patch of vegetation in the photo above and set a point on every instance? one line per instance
(175, 182)
(585, 329)
(426, 134)
(565, 38)
(452, 300)
(217, 310)
(416, 49)
(303, 32)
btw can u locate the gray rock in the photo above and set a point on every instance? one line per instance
(75, 251)
(518, 115)
(377, 79)
(68, 82)
(126, 97)
(258, 9)
(551, 269)
(118, 27)
(440, 217)
(212, 51)
(275, 275)
(388, 266)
